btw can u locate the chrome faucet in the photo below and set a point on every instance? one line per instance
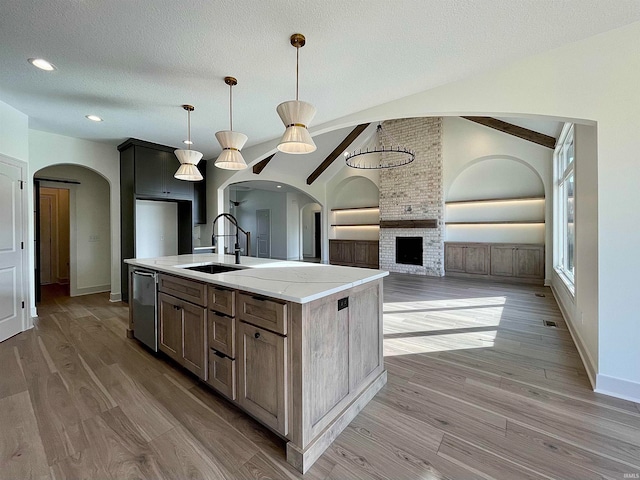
(234, 221)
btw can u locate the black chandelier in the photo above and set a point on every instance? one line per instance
(380, 151)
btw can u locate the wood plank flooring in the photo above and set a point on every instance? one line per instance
(478, 388)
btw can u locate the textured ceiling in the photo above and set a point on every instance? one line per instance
(135, 62)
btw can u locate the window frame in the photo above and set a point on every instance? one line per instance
(564, 171)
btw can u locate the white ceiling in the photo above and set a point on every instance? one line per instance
(135, 62)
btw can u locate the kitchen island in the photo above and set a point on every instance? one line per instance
(298, 346)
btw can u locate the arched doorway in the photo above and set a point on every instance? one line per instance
(73, 232)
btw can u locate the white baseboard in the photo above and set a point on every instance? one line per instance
(618, 387)
(115, 297)
(587, 361)
(90, 290)
(34, 312)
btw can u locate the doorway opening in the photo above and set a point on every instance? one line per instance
(72, 233)
(54, 242)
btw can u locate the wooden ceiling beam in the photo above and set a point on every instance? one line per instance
(349, 139)
(258, 167)
(515, 130)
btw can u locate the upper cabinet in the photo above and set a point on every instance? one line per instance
(154, 170)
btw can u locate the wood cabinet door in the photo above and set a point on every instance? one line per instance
(374, 254)
(502, 263)
(174, 188)
(454, 258)
(200, 196)
(476, 259)
(194, 353)
(262, 379)
(529, 261)
(149, 171)
(361, 253)
(170, 326)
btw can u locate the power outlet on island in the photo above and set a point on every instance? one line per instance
(343, 303)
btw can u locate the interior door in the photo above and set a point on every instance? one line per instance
(11, 251)
(316, 234)
(263, 239)
(46, 244)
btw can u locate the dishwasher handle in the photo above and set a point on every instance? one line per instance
(144, 274)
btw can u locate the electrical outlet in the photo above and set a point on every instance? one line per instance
(343, 303)
(94, 238)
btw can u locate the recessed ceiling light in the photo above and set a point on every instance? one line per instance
(187, 142)
(278, 186)
(42, 64)
(94, 118)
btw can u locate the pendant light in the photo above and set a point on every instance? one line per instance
(230, 141)
(296, 115)
(188, 158)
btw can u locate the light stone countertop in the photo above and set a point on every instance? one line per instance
(299, 282)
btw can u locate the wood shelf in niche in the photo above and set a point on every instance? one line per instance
(354, 208)
(494, 200)
(507, 222)
(355, 224)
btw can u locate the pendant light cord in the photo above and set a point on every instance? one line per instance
(297, 69)
(231, 107)
(189, 129)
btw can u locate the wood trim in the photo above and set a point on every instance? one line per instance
(430, 223)
(480, 200)
(354, 208)
(339, 150)
(258, 167)
(515, 130)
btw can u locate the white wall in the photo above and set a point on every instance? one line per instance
(14, 133)
(46, 149)
(581, 310)
(90, 236)
(157, 224)
(259, 200)
(294, 204)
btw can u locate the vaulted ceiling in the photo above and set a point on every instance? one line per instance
(135, 63)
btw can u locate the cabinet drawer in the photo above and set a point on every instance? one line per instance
(188, 290)
(222, 374)
(222, 334)
(263, 312)
(222, 300)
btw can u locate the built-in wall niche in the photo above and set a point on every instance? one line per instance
(355, 223)
(497, 200)
(507, 220)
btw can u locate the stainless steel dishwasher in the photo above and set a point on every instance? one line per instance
(145, 307)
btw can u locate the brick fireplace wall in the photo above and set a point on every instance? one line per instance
(414, 192)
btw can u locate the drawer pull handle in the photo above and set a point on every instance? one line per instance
(257, 335)
(218, 354)
(218, 314)
(260, 299)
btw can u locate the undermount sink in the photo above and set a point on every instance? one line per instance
(213, 268)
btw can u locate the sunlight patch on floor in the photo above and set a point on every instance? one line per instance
(439, 343)
(441, 325)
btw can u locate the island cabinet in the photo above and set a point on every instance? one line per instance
(263, 352)
(303, 369)
(222, 340)
(183, 322)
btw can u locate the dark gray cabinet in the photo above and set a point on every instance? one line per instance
(200, 196)
(154, 170)
(146, 173)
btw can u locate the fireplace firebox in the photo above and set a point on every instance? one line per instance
(409, 250)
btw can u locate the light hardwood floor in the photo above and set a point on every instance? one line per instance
(478, 388)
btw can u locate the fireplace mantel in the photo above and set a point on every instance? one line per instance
(430, 223)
